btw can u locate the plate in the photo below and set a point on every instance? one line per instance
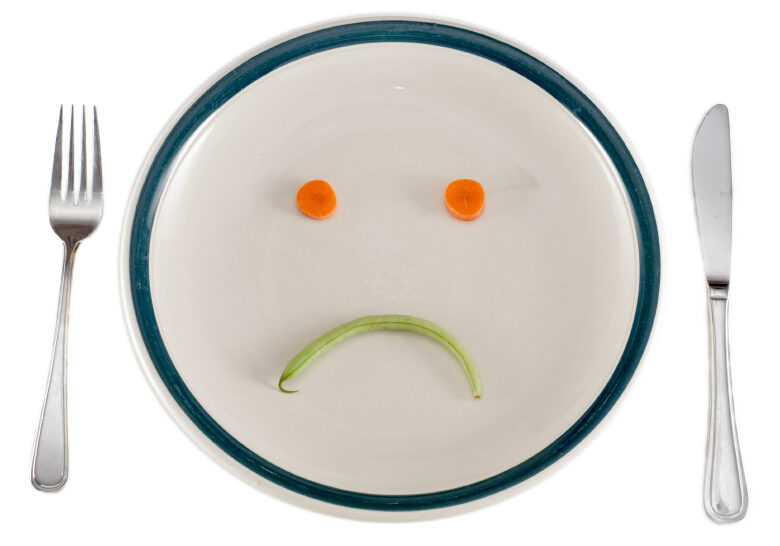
(553, 289)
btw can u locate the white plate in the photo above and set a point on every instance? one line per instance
(553, 289)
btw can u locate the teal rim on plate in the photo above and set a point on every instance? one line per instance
(421, 32)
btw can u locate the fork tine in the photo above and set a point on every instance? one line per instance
(56, 171)
(69, 189)
(97, 167)
(83, 182)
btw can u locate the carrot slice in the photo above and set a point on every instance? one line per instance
(317, 199)
(465, 199)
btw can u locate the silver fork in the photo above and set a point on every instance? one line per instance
(72, 217)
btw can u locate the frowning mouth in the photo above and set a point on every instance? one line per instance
(383, 322)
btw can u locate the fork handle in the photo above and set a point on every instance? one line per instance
(50, 455)
(725, 491)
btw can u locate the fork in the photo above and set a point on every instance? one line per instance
(73, 217)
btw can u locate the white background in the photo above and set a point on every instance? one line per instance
(134, 476)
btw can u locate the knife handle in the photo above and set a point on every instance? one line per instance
(725, 491)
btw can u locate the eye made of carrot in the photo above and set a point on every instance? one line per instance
(465, 199)
(316, 199)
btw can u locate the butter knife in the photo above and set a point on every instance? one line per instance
(725, 492)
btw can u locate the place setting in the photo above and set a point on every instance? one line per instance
(391, 268)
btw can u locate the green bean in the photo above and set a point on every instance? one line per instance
(383, 322)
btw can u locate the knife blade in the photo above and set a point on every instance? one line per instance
(725, 492)
(712, 193)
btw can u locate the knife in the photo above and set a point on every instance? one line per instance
(725, 492)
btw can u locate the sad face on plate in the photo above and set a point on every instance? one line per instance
(465, 200)
(540, 288)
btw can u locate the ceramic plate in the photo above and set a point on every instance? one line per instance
(553, 290)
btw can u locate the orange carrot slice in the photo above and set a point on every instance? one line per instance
(465, 199)
(317, 199)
